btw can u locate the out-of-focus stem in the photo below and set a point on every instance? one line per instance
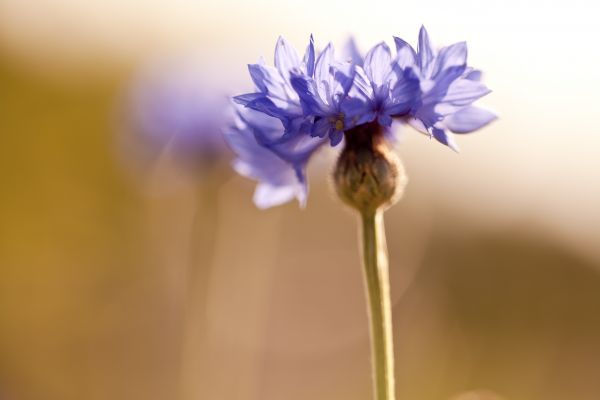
(196, 286)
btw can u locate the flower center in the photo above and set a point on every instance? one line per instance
(338, 121)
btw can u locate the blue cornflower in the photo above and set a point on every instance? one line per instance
(299, 105)
(448, 87)
(176, 107)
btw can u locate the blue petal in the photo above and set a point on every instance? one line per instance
(441, 136)
(357, 112)
(464, 91)
(406, 55)
(265, 105)
(418, 125)
(280, 180)
(258, 76)
(323, 64)
(269, 81)
(378, 63)
(244, 99)
(286, 57)
(443, 81)
(308, 99)
(309, 57)
(425, 50)
(469, 119)
(361, 89)
(451, 56)
(385, 120)
(403, 94)
(267, 195)
(428, 116)
(335, 137)
(321, 128)
(473, 75)
(352, 52)
(295, 147)
(343, 75)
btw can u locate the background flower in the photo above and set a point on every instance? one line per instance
(179, 106)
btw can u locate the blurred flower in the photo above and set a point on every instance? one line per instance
(180, 108)
(326, 99)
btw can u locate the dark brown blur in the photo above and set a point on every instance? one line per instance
(126, 283)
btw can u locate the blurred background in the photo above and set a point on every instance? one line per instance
(126, 275)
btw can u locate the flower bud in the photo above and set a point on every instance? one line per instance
(368, 174)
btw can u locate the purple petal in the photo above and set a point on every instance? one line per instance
(473, 75)
(469, 119)
(308, 98)
(464, 91)
(425, 50)
(451, 56)
(335, 137)
(323, 64)
(378, 63)
(403, 93)
(418, 125)
(280, 180)
(286, 57)
(361, 88)
(258, 75)
(385, 120)
(265, 105)
(309, 57)
(357, 112)
(441, 136)
(406, 56)
(352, 52)
(244, 99)
(321, 128)
(267, 195)
(268, 80)
(343, 74)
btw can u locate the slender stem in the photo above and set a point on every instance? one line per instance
(375, 263)
(203, 242)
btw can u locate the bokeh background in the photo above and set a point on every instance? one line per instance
(124, 277)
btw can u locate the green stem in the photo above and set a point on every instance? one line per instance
(375, 263)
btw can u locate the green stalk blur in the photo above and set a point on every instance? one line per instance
(376, 274)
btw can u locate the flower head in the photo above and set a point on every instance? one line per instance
(301, 104)
(176, 107)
